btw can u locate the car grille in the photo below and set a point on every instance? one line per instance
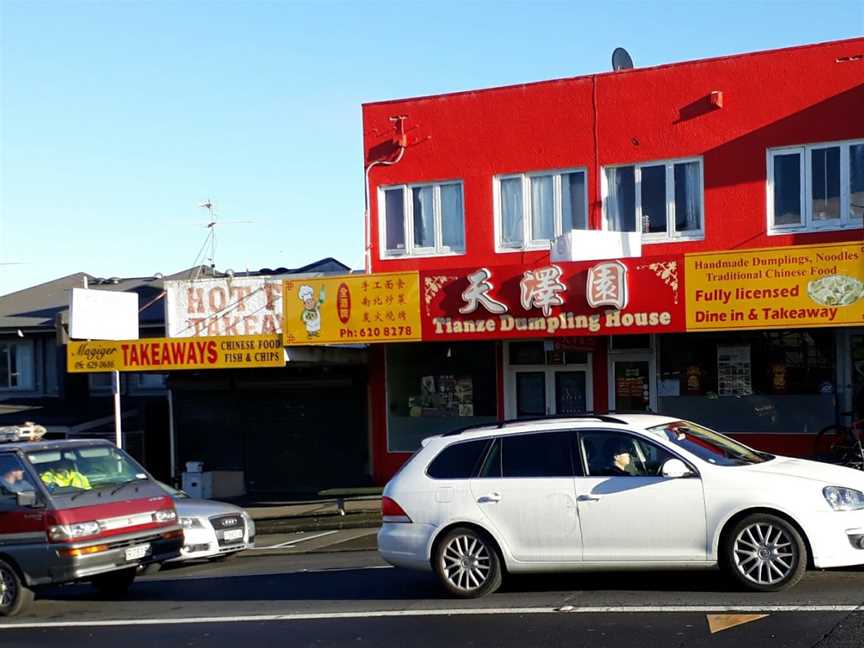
(227, 523)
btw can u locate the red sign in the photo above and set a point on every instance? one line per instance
(568, 300)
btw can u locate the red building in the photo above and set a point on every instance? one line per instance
(758, 156)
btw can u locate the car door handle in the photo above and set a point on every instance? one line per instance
(491, 497)
(587, 498)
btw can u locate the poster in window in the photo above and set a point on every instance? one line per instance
(733, 371)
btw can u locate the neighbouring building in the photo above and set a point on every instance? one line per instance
(685, 239)
(266, 430)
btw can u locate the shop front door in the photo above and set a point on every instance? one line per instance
(550, 391)
(632, 383)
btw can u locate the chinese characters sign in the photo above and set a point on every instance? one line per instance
(352, 309)
(803, 285)
(166, 354)
(562, 299)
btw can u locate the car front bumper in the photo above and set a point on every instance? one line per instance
(204, 543)
(834, 538)
(111, 556)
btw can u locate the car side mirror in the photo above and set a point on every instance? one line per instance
(675, 469)
(26, 498)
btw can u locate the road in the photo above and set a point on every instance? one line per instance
(335, 593)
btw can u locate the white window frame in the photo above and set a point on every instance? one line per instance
(20, 371)
(411, 250)
(671, 235)
(805, 155)
(528, 241)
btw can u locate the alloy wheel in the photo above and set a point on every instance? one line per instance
(764, 553)
(8, 587)
(466, 562)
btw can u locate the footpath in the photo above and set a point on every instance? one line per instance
(330, 513)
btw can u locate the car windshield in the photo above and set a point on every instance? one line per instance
(708, 445)
(68, 470)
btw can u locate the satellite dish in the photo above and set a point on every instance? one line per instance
(621, 60)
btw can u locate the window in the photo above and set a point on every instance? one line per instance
(532, 209)
(458, 461)
(663, 200)
(536, 455)
(16, 365)
(816, 187)
(422, 220)
(612, 454)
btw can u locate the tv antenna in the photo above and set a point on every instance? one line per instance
(211, 224)
(621, 59)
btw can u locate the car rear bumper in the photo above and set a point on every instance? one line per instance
(406, 545)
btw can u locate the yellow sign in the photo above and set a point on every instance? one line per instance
(352, 309)
(169, 354)
(800, 286)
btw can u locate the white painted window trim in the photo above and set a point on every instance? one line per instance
(528, 241)
(19, 370)
(671, 235)
(805, 153)
(408, 222)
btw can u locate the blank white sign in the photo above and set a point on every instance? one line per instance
(103, 315)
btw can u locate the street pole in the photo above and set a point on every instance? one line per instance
(115, 388)
(171, 441)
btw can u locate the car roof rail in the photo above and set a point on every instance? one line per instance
(605, 417)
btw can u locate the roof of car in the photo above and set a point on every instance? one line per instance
(57, 444)
(638, 421)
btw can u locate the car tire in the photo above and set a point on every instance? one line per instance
(764, 553)
(467, 563)
(116, 583)
(15, 596)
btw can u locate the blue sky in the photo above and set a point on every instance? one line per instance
(117, 118)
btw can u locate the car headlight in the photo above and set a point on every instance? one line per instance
(75, 531)
(843, 499)
(191, 523)
(165, 515)
(250, 524)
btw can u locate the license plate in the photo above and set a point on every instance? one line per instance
(233, 534)
(136, 553)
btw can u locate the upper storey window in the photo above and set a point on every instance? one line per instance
(816, 187)
(663, 200)
(422, 220)
(532, 209)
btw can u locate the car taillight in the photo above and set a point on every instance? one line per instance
(392, 512)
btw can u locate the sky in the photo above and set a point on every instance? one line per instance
(118, 118)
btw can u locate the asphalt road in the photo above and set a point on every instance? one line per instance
(338, 597)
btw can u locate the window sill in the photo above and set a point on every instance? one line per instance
(524, 248)
(418, 255)
(675, 239)
(814, 230)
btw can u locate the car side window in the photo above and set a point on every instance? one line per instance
(613, 454)
(13, 477)
(536, 455)
(491, 467)
(458, 461)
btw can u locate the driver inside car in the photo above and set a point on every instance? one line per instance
(64, 474)
(622, 464)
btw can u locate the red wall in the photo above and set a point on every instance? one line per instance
(781, 97)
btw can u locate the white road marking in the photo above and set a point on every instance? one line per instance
(315, 616)
(288, 544)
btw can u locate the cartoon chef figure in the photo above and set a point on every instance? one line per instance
(311, 315)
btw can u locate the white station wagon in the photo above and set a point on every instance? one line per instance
(616, 492)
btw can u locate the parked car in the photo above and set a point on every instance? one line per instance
(616, 491)
(211, 529)
(76, 511)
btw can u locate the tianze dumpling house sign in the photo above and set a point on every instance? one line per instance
(559, 299)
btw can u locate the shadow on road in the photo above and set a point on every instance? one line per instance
(387, 585)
